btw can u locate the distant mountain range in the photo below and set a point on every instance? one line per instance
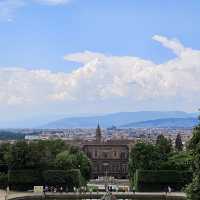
(129, 119)
(164, 123)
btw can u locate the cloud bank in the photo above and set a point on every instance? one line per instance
(106, 78)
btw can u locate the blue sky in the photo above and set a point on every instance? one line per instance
(36, 35)
(40, 35)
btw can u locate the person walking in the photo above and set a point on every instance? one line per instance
(169, 189)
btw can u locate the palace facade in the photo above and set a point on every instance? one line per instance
(109, 158)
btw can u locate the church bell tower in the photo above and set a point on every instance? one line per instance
(98, 133)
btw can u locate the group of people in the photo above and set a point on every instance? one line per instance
(53, 189)
(109, 189)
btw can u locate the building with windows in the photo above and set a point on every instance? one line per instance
(109, 158)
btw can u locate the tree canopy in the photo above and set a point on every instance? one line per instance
(158, 156)
(193, 190)
(144, 156)
(164, 145)
(46, 155)
(178, 143)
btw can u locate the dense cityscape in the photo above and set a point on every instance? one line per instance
(88, 134)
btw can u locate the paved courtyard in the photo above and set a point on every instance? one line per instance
(123, 195)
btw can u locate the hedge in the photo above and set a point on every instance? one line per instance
(3, 180)
(152, 180)
(61, 177)
(25, 179)
(54, 177)
(3, 168)
(74, 177)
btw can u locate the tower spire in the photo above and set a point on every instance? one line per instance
(98, 133)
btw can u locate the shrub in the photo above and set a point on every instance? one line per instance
(151, 180)
(69, 179)
(54, 177)
(24, 179)
(3, 180)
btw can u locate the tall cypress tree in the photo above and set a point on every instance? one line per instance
(178, 143)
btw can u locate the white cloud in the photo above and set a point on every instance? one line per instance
(53, 2)
(8, 8)
(84, 57)
(107, 78)
(172, 44)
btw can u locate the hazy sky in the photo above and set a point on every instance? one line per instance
(98, 56)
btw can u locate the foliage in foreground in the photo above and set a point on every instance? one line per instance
(193, 189)
(36, 162)
(158, 157)
(159, 180)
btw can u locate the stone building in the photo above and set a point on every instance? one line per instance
(109, 158)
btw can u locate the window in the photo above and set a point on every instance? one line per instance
(105, 155)
(124, 168)
(123, 155)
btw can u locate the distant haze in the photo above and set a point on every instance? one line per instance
(125, 119)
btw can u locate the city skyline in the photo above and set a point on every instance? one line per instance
(66, 57)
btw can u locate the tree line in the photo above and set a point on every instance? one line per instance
(159, 156)
(50, 159)
(162, 156)
(153, 167)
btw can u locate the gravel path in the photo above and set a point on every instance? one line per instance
(2, 195)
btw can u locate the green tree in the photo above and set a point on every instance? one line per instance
(4, 148)
(84, 164)
(65, 160)
(40, 156)
(76, 160)
(144, 156)
(178, 143)
(18, 155)
(177, 161)
(164, 145)
(193, 190)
